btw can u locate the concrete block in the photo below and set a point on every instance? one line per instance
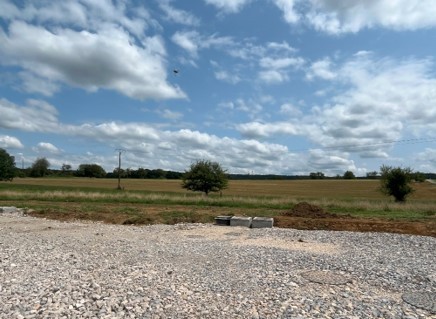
(8, 209)
(240, 221)
(262, 222)
(223, 220)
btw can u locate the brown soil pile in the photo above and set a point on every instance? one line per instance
(307, 210)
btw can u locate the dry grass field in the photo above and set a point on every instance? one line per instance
(359, 205)
(304, 189)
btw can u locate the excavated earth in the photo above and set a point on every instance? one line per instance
(305, 216)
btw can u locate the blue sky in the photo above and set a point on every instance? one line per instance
(263, 86)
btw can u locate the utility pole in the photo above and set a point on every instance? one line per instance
(120, 151)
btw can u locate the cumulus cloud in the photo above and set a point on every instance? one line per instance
(35, 116)
(385, 100)
(331, 162)
(376, 102)
(257, 130)
(7, 142)
(51, 53)
(146, 145)
(83, 14)
(45, 147)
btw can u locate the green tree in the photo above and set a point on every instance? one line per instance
(317, 175)
(205, 176)
(40, 167)
(372, 175)
(90, 170)
(395, 181)
(7, 166)
(66, 170)
(349, 175)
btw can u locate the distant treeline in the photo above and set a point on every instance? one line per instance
(96, 171)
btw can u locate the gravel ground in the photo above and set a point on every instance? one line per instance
(50, 269)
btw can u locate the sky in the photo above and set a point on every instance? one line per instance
(259, 86)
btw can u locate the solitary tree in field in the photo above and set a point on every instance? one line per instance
(205, 176)
(40, 167)
(349, 175)
(7, 166)
(395, 181)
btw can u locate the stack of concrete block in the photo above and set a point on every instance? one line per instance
(262, 222)
(241, 221)
(223, 220)
(256, 222)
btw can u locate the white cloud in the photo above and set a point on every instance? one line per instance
(39, 40)
(31, 82)
(227, 77)
(178, 15)
(385, 100)
(44, 147)
(85, 14)
(146, 144)
(229, 6)
(336, 16)
(375, 103)
(289, 13)
(193, 41)
(255, 130)
(426, 161)
(330, 162)
(7, 142)
(280, 63)
(36, 116)
(170, 115)
(321, 69)
(276, 61)
(273, 76)
(188, 40)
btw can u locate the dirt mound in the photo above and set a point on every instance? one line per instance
(304, 209)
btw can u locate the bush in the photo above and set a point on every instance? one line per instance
(396, 182)
(90, 170)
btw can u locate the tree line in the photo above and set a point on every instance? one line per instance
(41, 168)
(204, 176)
